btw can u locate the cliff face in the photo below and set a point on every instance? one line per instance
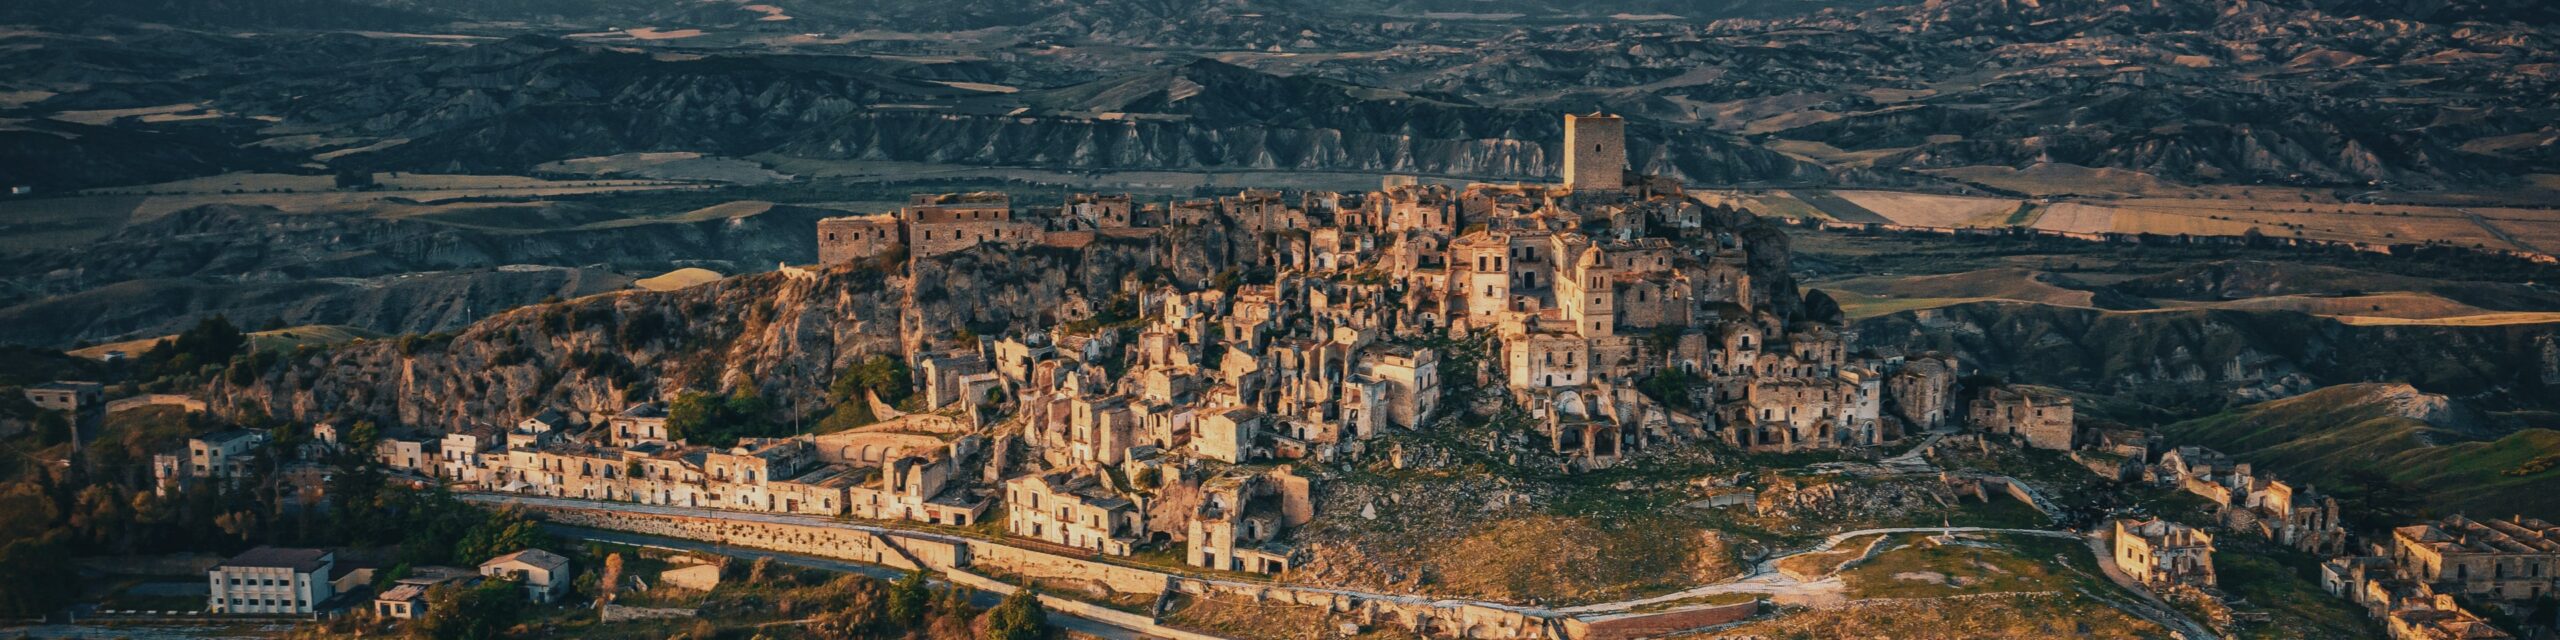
(2209, 357)
(784, 333)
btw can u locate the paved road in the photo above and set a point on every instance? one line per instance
(979, 598)
(812, 521)
(2160, 612)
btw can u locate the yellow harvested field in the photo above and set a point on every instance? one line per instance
(1774, 204)
(102, 117)
(1825, 153)
(377, 145)
(2394, 305)
(2075, 217)
(652, 33)
(303, 194)
(2350, 222)
(2062, 180)
(61, 222)
(277, 340)
(2483, 320)
(679, 279)
(1931, 210)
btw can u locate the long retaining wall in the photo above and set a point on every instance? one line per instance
(954, 557)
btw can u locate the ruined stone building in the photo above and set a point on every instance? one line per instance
(1923, 391)
(943, 223)
(2512, 560)
(2159, 553)
(1072, 509)
(1244, 520)
(844, 240)
(2039, 417)
(2253, 502)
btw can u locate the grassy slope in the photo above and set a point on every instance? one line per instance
(277, 340)
(2319, 437)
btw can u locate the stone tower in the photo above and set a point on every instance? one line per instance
(1595, 152)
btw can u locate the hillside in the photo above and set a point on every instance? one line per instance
(2207, 359)
(2424, 442)
(415, 269)
(780, 334)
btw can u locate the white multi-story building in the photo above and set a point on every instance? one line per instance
(272, 581)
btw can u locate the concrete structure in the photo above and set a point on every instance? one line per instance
(75, 398)
(272, 581)
(546, 576)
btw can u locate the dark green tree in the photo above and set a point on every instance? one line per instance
(1019, 617)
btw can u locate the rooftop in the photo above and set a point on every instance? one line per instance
(299, 560)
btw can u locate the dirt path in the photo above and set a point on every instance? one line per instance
(2502, 234)
(1766, 579)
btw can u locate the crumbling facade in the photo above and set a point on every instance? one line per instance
(2159, 553)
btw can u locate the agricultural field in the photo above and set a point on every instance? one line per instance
(1931, 210)
(2051, 180)
(275, 340)
(679, 279)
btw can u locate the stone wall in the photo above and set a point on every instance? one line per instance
(1646, 626)
(826, 542)
(1026, 562)
(952, 556)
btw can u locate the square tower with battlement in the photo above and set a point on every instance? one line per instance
(1595, 152)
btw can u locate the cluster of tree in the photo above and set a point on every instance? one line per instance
(880, 376)
(472, 612)
(719, 420)
(1671, 388)
(212, 342)
(864, 607)
(427, 526)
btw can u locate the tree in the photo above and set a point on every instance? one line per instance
(472, 613)
(909, 599)
(1019, 617)
(35, 576)
(500, 533)
(608, 580)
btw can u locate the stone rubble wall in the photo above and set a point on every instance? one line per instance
(952, 557)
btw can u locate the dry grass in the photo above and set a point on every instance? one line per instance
(61, 222)
(1774, 204)
(2018, 618)
(2396, 305)
(1824, 153)
(316, 193)
(679, 279)
(2062, 179)
(277, 340)
(1872, 296)
(2482, 320)
(1246, 620)
(2077, 218)
(1816, 566)
(1929, 210)
(103, 117)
